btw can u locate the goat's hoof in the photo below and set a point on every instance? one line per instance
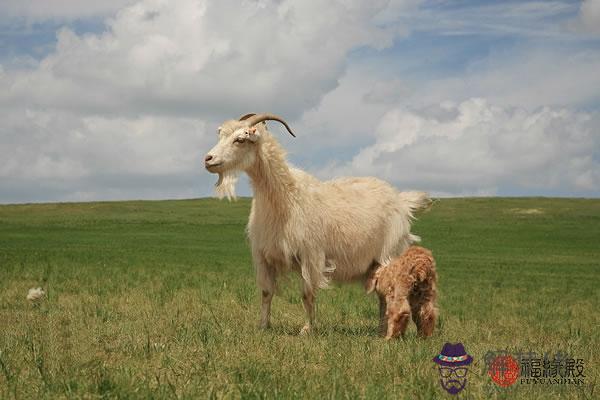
(264, 327)
(306, 330)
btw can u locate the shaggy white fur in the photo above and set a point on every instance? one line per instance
(336, 229)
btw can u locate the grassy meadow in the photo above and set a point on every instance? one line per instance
(157, 300)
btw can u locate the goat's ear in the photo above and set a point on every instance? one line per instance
(371, 282)
(253, 134)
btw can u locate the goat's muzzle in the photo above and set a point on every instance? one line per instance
(211, 164)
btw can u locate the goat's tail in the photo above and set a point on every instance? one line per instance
(413, 202)
(416, 201)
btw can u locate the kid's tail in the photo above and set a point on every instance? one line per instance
(423, 264)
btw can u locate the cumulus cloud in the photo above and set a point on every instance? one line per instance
(134, 101)
(203, 58)
(52, 155)
(346, 116)
(510, 125)
(55, 144)
(130, 111)
(474, 147)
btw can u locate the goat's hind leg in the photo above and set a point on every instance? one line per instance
(424, 316)
(308, 300)
(424, 312)
(313, 269)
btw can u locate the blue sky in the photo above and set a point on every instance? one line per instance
(21, 38)
(120, 100)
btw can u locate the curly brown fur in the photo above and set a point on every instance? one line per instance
(406, 287)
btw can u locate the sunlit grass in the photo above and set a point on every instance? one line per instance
(157, 300)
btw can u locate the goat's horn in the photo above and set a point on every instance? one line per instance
(255, 119)
(246, 116)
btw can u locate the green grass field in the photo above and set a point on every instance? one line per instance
(158, 300)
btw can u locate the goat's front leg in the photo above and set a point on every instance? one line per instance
(398, 314)
(383, 321)
(265, 278)
(308, 300)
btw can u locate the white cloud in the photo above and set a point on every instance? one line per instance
(50, 155)
(529, 80)
(376, 125)
(590, 15)
(524, 77)
(474, 146)
(51, 144)
(129, 112)
(133, 102)
(348, 114)
(525, 19)
(203, 58)
(41, 10)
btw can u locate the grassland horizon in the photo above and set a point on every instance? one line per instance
(249, 198)
(157, 299)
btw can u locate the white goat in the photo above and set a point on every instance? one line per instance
(337, 229)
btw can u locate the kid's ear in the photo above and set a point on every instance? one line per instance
(371, 282)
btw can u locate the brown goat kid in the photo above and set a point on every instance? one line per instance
(406, 286)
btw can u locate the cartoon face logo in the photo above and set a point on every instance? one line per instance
(452, 365)
(453, 379)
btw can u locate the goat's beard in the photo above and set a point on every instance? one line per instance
(225, 186)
